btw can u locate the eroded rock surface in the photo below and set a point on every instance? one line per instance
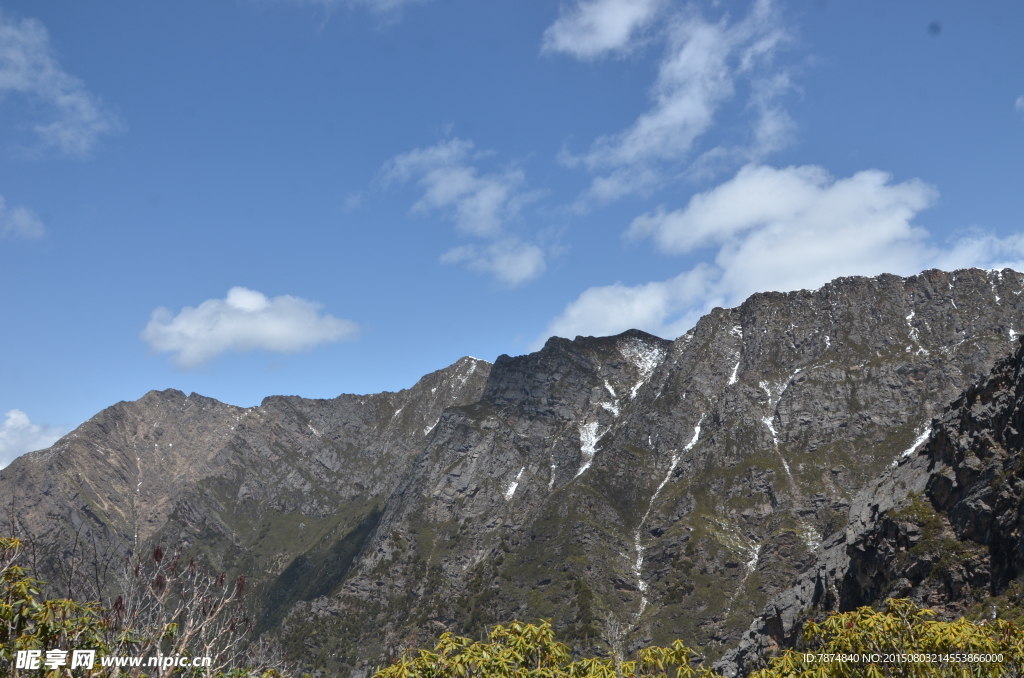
(942, 528)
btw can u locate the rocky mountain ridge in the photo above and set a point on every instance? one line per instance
(198, 467)
(633, 489)
(942, 527)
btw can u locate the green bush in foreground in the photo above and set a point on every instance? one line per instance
(902, 641)
(528, 651)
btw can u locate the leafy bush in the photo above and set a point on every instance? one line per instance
(902, 640)
(27, 623)
(531, 651)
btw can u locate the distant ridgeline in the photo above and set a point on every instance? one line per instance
(631, 489)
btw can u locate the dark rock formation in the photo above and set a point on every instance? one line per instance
(942, 528)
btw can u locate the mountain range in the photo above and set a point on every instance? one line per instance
(802, 452)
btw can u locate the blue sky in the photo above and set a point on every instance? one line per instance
(252, 197)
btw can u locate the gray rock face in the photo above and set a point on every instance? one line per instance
(829, 583)
(233, 484)
(705, 488)
(943, 527)
(671, 488)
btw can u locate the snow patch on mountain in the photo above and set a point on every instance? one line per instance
(644, 357)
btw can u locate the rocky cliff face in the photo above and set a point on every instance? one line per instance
(671, 489)
(676, 501)
(942, 527)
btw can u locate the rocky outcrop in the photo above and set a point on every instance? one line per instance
(669, 488)
(942, 528)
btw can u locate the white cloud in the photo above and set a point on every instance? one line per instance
(698, 74)
(244, 321)
(591, 29)
(511, 261)
(790, 200)
(662, 308)
(772, 129)
(29, 66)
(481, 205)
(19, 222)
(982, 250)
(18, 435)
(1020, 103)
(778, 229)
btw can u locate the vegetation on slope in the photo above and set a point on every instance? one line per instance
(531, 651)
(168, 608)
(902, 640)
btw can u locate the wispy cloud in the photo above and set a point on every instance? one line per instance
(480, 204)
(511, 261)
(29, 66)
(703, 62)
(18, 435)
(245, 320)
(19, 223)
(772, 130)
(1020, 103)
(777, 229)
(588, 30)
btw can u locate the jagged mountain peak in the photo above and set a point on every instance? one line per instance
(130, 466)
(571, 377)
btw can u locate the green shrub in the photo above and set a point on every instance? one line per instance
(902, 640)
(531, 651)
